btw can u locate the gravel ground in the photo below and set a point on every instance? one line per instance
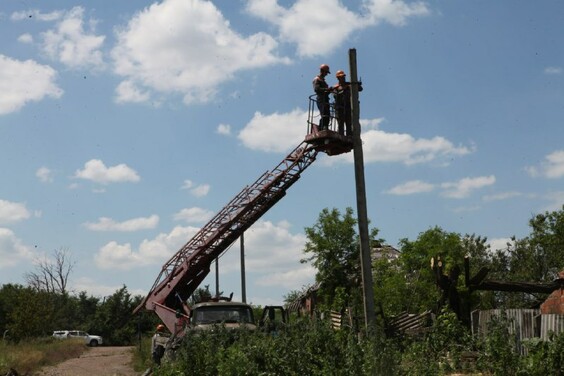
(101, 360)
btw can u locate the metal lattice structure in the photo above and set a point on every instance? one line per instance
(181, 275)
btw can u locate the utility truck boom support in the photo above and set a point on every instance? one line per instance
(182, 274)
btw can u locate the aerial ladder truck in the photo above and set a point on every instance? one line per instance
(181, 275)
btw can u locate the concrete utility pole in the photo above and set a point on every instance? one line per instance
(365, 258)
(243, 283)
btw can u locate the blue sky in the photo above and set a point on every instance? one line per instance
(124, 128)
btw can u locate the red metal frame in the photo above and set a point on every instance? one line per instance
(181, 275)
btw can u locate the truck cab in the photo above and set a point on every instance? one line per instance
(234, 315)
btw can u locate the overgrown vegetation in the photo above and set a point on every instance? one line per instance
(311, 347)
(403, 284)
(27, 357)
(26, 313)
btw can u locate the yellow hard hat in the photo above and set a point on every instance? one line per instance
(340, 73)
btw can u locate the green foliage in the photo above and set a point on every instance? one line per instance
(313, 348)
(142, 359)
(306, 347)
(114, 319)
(27, 313)
(391, 292)
(200, 295)
(535, 258)
(333, 249)
(499, 355)
(439, 350)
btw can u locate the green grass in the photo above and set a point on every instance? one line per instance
(28, 357)
(142, 355)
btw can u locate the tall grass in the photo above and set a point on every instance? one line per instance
(313, 348)
(28, 357)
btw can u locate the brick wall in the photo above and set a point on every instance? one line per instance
(555, 301)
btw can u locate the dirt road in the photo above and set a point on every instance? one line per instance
(102, 360)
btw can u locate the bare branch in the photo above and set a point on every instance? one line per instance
(52, 275)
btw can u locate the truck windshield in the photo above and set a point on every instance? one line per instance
(219, 314)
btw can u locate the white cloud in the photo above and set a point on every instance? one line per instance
(499, 243)
(556, 201)
(12, 250)
(11, 212)
(553, 70)
(35, 14)
(150, 252)
(269, 247)
(96, 171)
(95, 288)
(25, 38)
(502, 196)
(134, 224)
(272, 257)
(395, 12)
(187, 48)
(464, 187)
(70, 44)
(275, 132)
(193, 215)
(196, 190)
(128, 92)
(201, 190)
(379, 146)
(44, 175)
(411, 187)
(25, 81)
(317, 27)
(552, 167)
(224, 129)
(293, 279)
(187, 184)
(272, 254)
(279, 132)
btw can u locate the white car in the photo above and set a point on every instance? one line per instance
(89, 339)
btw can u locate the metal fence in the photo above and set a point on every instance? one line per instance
(523, 324)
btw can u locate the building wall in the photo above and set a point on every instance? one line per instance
(554, 304)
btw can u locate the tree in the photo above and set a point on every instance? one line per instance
(114, 318)
(432, 287)
(31, 314)
(201, 294)
(333, 249)
(52, 275)
(8, 299)
(540, 256)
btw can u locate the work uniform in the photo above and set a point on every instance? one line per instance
(158, 344)
(342, 94)
(321, 88)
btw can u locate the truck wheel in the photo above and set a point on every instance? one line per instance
(93, 343)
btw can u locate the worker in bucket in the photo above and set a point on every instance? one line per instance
(321, 88)
(342, 93)
(158, 344)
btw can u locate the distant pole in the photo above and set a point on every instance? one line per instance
(217, 277)
(243, 284)
(365, 259)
